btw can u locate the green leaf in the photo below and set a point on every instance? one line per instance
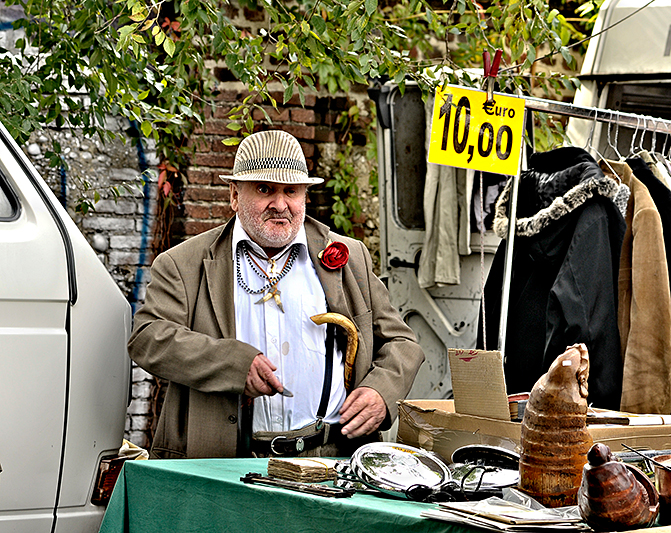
(231, 141)
(146, 128)
(371, 7)
(288, 93)
(318, 24)
(566, 54)
(169, 47)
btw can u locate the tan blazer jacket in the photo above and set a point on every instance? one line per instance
(185, 333)
(644, 302)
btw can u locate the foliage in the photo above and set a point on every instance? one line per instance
(345, 191)
(145, 60)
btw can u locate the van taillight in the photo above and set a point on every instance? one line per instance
(108, 472)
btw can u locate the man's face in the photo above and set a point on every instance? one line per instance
(271, 213)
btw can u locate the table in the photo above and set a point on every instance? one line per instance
(206, 495)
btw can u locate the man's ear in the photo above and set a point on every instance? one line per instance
(233, 198)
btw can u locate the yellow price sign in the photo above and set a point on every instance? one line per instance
(468, 132)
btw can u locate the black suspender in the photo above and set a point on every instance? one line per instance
(328, 373)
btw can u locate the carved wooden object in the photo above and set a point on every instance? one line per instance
(615, 496)
(555, 440)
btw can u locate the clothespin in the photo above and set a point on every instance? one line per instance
(491, 71)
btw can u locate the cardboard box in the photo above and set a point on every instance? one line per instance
(433, 425)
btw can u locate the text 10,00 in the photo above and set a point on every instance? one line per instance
(486, 135)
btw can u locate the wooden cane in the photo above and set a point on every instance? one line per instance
(352, 339)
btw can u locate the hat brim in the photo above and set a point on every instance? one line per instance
(295, 179)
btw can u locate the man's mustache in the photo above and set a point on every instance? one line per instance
(272, 213)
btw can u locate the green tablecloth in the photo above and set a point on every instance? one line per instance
(206, 495)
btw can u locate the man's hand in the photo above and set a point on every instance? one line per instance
(260, 378)
(363, 412)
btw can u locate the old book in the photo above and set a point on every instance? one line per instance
(305, 469)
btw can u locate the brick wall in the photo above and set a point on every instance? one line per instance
(206, 195)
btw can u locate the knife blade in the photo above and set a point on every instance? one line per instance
(286, 392)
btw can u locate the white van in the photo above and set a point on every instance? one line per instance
(627, 68)
(64, 369)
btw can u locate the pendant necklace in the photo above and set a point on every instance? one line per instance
(272, 275)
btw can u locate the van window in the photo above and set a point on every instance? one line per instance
(9, 205)
(642, 98)
(409, 158)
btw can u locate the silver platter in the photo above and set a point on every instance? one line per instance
(393, 468)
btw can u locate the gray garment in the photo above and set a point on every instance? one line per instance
(447, 198)
(652, 163)
(622, 198)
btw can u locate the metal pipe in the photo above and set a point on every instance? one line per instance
(641, 122)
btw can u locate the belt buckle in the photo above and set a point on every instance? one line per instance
(300, 444)
(272, 444)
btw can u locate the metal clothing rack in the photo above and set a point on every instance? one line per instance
(632, 120)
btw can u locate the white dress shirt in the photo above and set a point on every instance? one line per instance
(294, 344)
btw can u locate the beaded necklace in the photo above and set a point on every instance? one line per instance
(273, 278)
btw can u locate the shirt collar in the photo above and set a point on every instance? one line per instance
(239, 234)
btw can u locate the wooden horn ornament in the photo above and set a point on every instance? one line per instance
(554, 438)
(352, 339)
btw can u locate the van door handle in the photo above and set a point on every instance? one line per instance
(399, 263)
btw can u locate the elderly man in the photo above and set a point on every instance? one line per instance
(227, 321)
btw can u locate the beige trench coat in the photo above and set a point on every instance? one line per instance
(644, 302)
(185, 333)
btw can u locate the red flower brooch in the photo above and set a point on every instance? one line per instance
(334, 256)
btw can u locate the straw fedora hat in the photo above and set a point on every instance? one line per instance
(272, 155)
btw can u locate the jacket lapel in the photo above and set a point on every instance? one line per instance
(219, 278)
(331, 280)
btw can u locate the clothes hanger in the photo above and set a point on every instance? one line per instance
(633, 139)
(613, 147)
(666, 138)
(660, 162)
(665, 156)
(644, 130)
(589, 146)
(588, 142)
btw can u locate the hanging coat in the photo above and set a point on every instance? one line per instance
(447, 197)
(660, 194)
(564, 273)
(644, 302)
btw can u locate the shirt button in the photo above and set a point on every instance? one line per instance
(233, 419)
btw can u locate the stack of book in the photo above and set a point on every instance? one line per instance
(304, 469)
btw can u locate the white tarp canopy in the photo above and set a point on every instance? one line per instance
(641, 44)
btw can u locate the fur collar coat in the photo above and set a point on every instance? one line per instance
(568, 236)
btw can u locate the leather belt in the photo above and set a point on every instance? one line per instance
(283, 445)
